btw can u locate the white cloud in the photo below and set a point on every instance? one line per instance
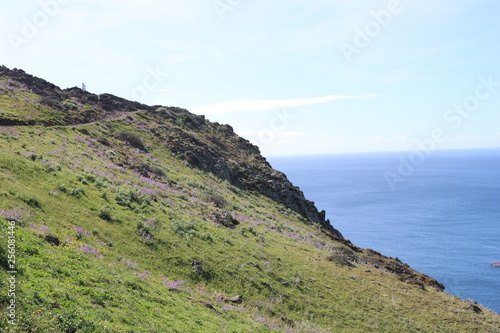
(261, 105)
(269, 137)
(273, 143)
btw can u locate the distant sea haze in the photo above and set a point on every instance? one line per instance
(443, 220)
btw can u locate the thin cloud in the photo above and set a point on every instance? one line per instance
(261, 105)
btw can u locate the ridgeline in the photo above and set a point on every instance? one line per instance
(137, 218)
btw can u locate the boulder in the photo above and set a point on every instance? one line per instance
(53, 240)
(196, 267)
(236, 299)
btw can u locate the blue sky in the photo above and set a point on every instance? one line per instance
(294, 77)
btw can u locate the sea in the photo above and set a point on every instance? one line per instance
(437, 211)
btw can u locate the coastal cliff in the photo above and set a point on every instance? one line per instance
(143, 218)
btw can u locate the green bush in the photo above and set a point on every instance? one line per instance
(76, 192)
(31, 201)
(133, 139)
(105, 213)
(216, 199)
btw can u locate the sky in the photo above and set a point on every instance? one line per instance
(294, 77)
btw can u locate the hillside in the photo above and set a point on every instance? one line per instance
(136, 218)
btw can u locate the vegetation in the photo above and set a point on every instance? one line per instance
(111, 237)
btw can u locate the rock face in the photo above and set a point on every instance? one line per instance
(217, 149)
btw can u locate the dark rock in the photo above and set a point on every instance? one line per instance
(226, 219)
(266, 285)
(206, 304)
(196, 267)
(404, 272)
(473, 306)
(52, 240)
(254, 265)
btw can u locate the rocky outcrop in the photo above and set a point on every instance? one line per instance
(404, 272)
(217, 149)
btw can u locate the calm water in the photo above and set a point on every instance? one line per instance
(443, 219)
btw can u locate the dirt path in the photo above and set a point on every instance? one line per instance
(110, 116)
(116, 115)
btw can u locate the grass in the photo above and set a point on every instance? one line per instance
(129, 235)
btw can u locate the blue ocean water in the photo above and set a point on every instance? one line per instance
(438, 213)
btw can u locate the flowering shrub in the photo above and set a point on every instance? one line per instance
(12, 215)
(129, 263)
(173, 285)
(80, 232)
(267, 322)
(144, 275)
(43, 228)
(90, 250)
(145, 236)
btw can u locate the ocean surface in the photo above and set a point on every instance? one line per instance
(438, 213)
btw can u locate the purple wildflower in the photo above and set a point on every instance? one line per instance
(145, 235)
(12, 215)
(130, 263)
(43, 228)
(173, 285)
(90, 250)
(144, 275)
(80, 232)
(269, 323)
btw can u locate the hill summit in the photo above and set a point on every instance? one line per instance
(135, 218)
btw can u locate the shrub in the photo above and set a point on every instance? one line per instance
(216, 199)
(123, 198)
(144, 231)
(51, 101)
(76, 192)
(147, 170)
(80, 232)
(70, 106)
(343, 256)
(31, 201)
(133, 139)
(105, 213)
(126, 198)
(280, 226)
(196, 184)
(226, 219)
(183, 228)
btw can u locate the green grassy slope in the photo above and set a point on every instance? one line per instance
(151, 243)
